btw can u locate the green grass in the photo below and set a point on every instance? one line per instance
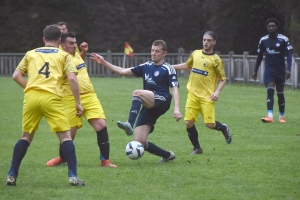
(261, 163)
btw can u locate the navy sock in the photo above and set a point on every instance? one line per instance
(153, 149)
(281, 102)
(220, 127)
(20, 150)
(70, 156)
(134, 110)
(61, 153)
(270, 98)
(193, 135)
(102, 139)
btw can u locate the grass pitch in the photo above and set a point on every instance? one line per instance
(261, 163)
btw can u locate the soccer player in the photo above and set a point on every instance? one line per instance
(64, 29)
(46, 68)
(275, 46)
(154, 98)
(93, 111)
(207, 69)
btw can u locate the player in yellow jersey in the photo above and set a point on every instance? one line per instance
(93, 111)
(46, 68)
(64, 29)
(207, 69)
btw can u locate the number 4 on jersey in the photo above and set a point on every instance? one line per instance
(45, 70)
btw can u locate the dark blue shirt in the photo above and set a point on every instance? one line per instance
(275, 50)
(156, 78)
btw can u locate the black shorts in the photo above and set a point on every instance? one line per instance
(149, 116)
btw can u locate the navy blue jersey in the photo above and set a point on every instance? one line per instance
(156, 78)
(275, 50)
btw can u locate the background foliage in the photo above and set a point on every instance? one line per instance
(181, 23)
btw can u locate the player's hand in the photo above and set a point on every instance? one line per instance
(177, 115)
(215, 96)
(97, 58)
(79, 110)
(287, 74)
(84, 46)
(254, 76)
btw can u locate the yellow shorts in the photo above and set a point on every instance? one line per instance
(194, 106)
(91, 105)
(39, 103)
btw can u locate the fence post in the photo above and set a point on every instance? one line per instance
(231, 66)
(109, 59)
(245, 67)
(294, 72)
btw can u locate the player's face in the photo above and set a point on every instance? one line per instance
(70, 45)
(208, 43)
(272, 27)
(63, 28)
(157, 55)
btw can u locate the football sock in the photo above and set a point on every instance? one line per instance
(220, 127)
(153, 149)
(102, 139)
(20, 150)
(193, 135)
(134, 110)
(270, 113)
(281, 102)
(70, 156)
(61, 153)
(270, 98)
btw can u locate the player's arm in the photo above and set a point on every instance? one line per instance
(289, 64)
(177, 114)
(19, 78)
(119, 70)
(258, 60)
(84, 49)
(182, 66)
(215, 95)
(75, 90)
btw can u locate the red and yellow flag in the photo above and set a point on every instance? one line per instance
(128, 50)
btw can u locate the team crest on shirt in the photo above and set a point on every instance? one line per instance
(277, 44)
(156, 73)
(205, 64)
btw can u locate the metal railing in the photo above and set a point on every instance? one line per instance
(238, 68)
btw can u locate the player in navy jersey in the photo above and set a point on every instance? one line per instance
(275, 46)
(155, 98)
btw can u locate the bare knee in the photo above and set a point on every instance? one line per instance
(189, 123)
(210, 125)
(98, 124)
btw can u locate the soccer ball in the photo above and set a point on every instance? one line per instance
(134, 150)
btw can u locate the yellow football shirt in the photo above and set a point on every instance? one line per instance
(85, 84)
(46, 68)
(205, 73)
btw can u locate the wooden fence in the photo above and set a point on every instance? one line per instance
(238, 68)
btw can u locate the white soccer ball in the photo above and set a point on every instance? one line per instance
(134, 150)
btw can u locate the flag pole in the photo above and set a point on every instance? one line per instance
(124, 59)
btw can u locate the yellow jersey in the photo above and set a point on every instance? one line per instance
(85, 84)
(46, 68)
(207, 69)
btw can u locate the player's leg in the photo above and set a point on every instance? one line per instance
(208, 114)
(192, 109)
(19, 152)
(139, 97)
(281, 100)
(30, 120)
(269, 81)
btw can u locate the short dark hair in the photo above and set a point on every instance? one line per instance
(212, 34)
(64, 36)
(160, 43)
(52, 33)
(272, 20)
(62, 23)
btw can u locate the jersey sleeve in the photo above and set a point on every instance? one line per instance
(219, 65)
(173, 81)
(190, 61)
(22, 67)
(69, 65)
(138, 70)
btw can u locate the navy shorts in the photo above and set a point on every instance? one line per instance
(279, 81)
(149, 116)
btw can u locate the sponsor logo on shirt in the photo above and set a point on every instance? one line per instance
(198, 71)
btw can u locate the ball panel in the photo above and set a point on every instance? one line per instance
(134, 150)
